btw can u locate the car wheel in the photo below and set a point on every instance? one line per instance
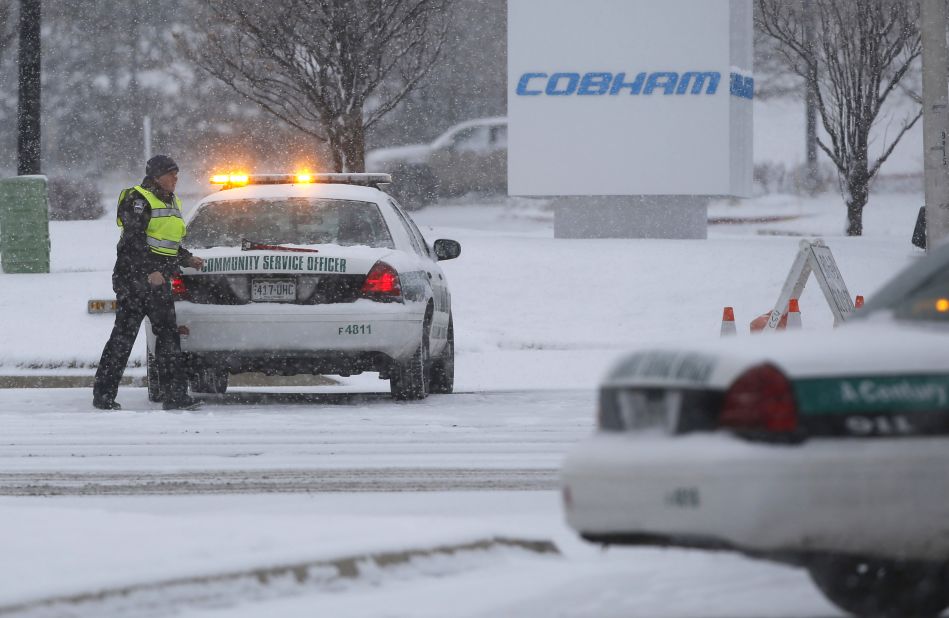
(151, 377)
(408, 380)
(443, 367)
(210, 380)
(883, 588)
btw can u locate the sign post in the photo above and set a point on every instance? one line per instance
(935, 120)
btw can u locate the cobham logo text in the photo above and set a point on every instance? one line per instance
(667, 83)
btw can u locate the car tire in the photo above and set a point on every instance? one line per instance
(883, 588)
(151, 378)
(408, 380)
(210, 380)
(443, 368)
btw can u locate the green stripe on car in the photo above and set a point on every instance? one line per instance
(872, 394)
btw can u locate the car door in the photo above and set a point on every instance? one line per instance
(441, 298)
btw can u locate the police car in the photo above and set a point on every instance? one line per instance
(828, 450)
(312, 273)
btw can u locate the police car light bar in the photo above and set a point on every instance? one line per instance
(239, 180)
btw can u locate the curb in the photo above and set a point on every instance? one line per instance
(184, 590)
(53, 381)
(85, 381)
(275, 481)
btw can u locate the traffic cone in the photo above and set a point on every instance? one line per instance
(858, 303)
(728, 322)
(794, 315)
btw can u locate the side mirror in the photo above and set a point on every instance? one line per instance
(447, 249)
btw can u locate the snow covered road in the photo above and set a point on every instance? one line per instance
(55, 443)
(93, 503)
(272, 502)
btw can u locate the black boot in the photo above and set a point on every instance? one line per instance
(106, 404)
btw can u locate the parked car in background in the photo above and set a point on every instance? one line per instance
(828, 450)
(468, 157)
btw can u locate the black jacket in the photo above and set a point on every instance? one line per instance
(134, 260)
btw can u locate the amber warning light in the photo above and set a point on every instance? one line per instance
(238, 180)
(233, 180)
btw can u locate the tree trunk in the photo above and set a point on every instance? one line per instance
(347, 140)
(858, 190)
(333, 140)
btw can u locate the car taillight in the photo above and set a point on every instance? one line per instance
(382, 282)
(178, 288)
(760, 400)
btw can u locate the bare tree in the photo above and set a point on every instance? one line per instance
(860, 52)
(324, 66)
(469, 81)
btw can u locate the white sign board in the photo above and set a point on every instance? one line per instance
(814, 257)
(630, 97)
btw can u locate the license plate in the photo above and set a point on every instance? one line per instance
(642, 410)
(273, 290)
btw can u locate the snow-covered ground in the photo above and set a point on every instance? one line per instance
(127, 541)
(515, 287)
(538, 321)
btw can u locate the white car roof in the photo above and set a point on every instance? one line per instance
(478, 122)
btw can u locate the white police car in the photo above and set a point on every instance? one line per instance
(829, 450)
(322, 274)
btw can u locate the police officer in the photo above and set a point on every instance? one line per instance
(149, 253)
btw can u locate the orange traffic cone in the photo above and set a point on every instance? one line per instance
(728, 322)
(858, 303)
(794, 315)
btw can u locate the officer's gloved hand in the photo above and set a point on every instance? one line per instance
(156, 279)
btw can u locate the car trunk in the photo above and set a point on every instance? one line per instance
(316, 277)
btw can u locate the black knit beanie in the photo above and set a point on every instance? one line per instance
(159, 165)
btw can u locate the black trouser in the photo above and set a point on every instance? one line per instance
(158, 305)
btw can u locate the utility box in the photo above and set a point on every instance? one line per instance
(24, 225)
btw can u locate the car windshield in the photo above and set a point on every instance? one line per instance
(919, 293)
(929, 302)
(299, 221)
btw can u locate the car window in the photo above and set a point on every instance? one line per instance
(473, 139)
(929, 302)
(301, 221)
(418, 241)
(426, 249)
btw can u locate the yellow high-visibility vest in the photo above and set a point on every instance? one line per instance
(166, 228)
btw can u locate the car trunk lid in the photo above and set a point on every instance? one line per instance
(305, 275)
